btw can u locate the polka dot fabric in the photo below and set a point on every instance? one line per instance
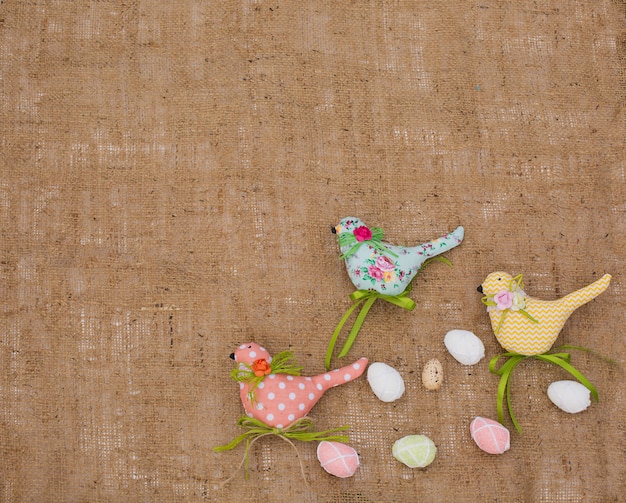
(282, 399)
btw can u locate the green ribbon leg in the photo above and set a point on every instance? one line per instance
(333, 339)
(367, 299)
(505, 371)
(400, 300)
(503, 386)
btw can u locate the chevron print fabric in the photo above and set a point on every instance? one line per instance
(519, 334)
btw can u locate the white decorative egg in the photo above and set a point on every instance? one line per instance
(464, 346)
(570, 396)
(432, 374)
(338, 459)
(385, 381)
(490, 435)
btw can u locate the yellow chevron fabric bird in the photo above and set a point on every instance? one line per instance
(526, 325)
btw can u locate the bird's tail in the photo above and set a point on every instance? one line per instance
(341, 375)
(444, 243)
(588, 293)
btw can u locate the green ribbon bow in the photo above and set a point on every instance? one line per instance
(348, 238)
(367, 298)
(302, 430)
(506, 369)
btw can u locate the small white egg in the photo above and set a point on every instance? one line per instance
(464, 346)
(432, 374)
(570, 396)
(385, 381)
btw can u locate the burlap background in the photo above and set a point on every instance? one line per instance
(170, 172)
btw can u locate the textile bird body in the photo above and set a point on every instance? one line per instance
(526, 325)
(279, 399)
(388, 269)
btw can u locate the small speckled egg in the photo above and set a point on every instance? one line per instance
(464, 346)
(570, 396)
(385, 381)
(415, 451)
(432, 375)
(338, 459)
(490, 436)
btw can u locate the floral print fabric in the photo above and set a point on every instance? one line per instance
(390, 269)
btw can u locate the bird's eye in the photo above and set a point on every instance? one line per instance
(249, 347)
(499, 279)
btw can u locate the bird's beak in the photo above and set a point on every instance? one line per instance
(480, 289)
(232, 356)
(336, 229)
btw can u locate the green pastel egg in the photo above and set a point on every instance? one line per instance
(415, 451)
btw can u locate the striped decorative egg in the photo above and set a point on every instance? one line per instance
(338, 459)
(415, 451)
(490, 435)
(385, 381)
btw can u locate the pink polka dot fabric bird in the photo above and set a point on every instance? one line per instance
(280, 399)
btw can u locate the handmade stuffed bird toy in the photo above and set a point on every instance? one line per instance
(527, 327)
(276, 399)
(388, 269)
(277, 394)
(380, 270)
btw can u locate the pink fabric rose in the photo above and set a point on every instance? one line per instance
(362, 233)
(384, 264)
(503, 300)
(375, 272)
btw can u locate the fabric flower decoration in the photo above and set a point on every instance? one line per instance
(388, 276)
(384, 264)
(362, 233)
(511, 298)
(260, 367)
(375, 272)
(503, 300)
(519, 301)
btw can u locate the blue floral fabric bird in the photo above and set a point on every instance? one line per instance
(388, 269)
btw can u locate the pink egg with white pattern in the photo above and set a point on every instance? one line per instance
(338, 459)
(490, 436)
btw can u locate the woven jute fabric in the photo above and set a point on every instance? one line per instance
(170, 172)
